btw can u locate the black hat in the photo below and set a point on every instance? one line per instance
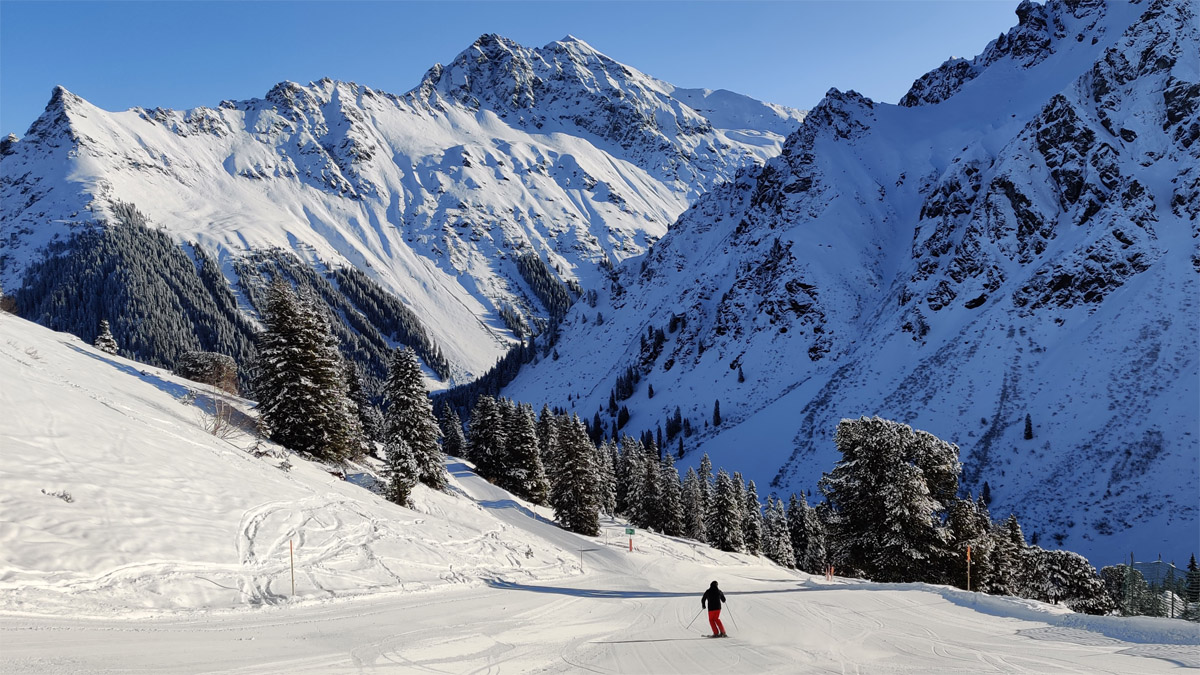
(714, 584)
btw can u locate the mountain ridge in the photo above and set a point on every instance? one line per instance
(1019, 246)
(432, 199)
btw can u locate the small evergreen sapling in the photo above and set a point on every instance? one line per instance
(401, 469)
(105, 341)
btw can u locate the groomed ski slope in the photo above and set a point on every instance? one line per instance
(171, 557)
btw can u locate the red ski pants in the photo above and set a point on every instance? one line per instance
(714, 620)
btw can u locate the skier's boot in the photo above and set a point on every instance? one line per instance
(723, 635)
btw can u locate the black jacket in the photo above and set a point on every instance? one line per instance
(713, 598)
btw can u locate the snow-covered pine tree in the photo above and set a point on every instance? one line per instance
(547, 434)
(705, 474)
(1067, 577)
(1192, 590)
(633, 479)
(725, 521)
(693, 507)
(752, 521)
(485, 437)
(400, 469)
(1127, 589)
(1008, 547)
(409, 416)
(797, 532)
(605, 454)
(332, 412)
(777, 544)
(652, 504)
(970, 526)
(105, 341)
(889, 492)
(524, 476)
(454, 443)
(369, 417)
(739, 484)
(300, 382)
(576, 506)
(815, 554)
(670, 497)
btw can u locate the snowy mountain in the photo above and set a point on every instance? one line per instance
(1015, 240)
(135, 539)
(506, 169)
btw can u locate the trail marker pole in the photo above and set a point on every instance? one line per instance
(581, 550)
(629, 531)
(968, 569)
(292, 558)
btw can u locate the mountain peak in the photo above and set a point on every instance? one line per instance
(55, 118)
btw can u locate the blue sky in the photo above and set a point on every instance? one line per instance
(185, 54)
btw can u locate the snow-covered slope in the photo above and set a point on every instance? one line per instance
(134, 540)
(559, 151)
(1018, 237)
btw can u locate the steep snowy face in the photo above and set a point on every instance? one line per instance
(1022, 242)
(568, 86)
(558, 153)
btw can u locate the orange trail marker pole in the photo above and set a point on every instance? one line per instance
(292, 557)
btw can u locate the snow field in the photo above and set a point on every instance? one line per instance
(172, 557)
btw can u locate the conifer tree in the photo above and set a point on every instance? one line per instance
(889, 492)
(301, 386)
(576, 506)
(633, 461)
(1066, 577)
(105, 341)
(716, 413)
(777, 544)
(547, 441)
(815, 556)
(693, 508)
(970, 527)
(670, 497)
(454, 443)
(1028, 427)
(369, 418)
(725, 521)
(705, 474)
(652, 513)
(409, 416)
(1192, 593)
(486, 442)
(1008, 548)
(400, 469)
(752, 521)
(524, 475)
(607, 479)
(797, 532)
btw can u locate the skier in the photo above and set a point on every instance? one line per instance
(713, 598)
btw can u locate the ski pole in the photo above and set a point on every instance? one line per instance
(689, 626)
(732, 617)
